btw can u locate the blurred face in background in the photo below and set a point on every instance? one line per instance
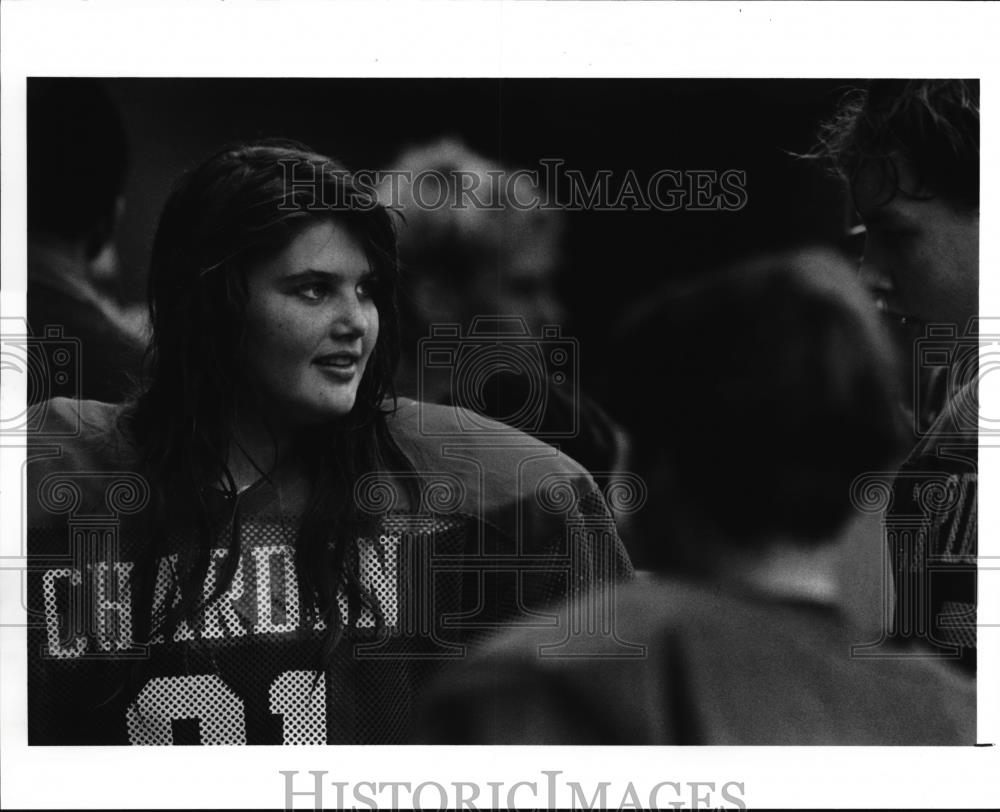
(522, 284)
(921, 255)
(311, 325)
(921, 262)
(505, 267)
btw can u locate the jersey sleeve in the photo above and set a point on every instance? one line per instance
(538, 519)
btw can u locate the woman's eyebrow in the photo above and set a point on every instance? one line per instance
(317, 273)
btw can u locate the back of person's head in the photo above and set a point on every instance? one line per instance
(777, 390)
(932, 126)
(77, 160)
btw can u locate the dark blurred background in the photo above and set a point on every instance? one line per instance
(610, 259)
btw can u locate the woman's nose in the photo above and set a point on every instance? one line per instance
(351, 316)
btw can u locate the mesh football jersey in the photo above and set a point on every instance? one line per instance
(933, 535)
(505, 526)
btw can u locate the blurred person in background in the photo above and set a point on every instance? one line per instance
(466, 250)
(480, 252)
(788, 398)
(77, 162)
(908, 150)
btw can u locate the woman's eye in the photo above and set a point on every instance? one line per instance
(367, 287)
(313, 292)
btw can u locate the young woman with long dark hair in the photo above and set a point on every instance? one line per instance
(287, 552)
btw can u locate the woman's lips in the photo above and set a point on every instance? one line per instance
(341, 366)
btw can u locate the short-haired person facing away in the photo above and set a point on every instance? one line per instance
(909, 152)
(266, 547)
(788, 399)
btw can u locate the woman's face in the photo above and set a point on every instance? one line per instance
(311, 325)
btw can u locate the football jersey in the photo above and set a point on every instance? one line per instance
(505, 525)
(932, 533)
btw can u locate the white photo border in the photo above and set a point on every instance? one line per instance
(486, 39)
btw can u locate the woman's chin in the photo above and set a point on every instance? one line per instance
(321, 412)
